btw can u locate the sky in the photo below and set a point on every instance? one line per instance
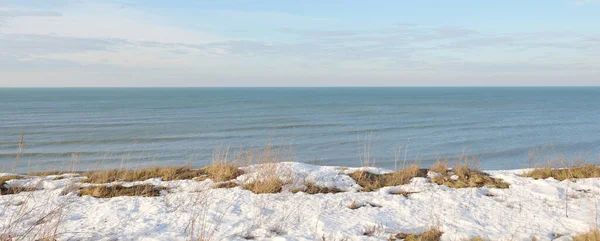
(155, 43)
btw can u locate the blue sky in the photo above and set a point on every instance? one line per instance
(299, 43)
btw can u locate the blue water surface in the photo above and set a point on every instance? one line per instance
(112, 127)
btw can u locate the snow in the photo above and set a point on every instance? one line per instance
(195, 209)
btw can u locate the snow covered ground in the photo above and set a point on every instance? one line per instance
(544, 209)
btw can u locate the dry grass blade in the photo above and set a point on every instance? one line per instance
(433, 234)
(119, 190)
(401, 192)
(580, 171)
(466, 177)
(369, 181)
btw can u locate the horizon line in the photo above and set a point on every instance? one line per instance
(341, 86)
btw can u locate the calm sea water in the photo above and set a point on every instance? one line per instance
(167, 126)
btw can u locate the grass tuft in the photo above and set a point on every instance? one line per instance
(271, 184)
(5, 179)
(119, 190)
(6, 190)
(578, 171)
(220, 172)
(369, 181)
(226, 185)
(433, 234)
(217, 172)
(312, 188)
(593, 235)
(440, 167)
(468, 177)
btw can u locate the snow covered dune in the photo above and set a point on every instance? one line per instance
(198, 210)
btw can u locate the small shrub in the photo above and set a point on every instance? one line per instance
(579, 171)
(369, 181)
(592, 235)
(433, 234)
(468, 177)
(119, 190)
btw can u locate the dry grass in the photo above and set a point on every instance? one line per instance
(270, 177)
(312, 188)
(217, 172)
(468, 177)
(4, 190)
(49, 173)
(226, 185)
(433, 234)
(5, 179)
(220, 172)
(440, 167)
(577, 171)
(477, 238)
(271, 184)
(466, 174)
(593, 235)
(369, 181)
(119, 190)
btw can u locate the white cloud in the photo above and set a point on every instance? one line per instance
(102, 20)
(101, 44)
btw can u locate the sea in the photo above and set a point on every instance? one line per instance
(102, 128)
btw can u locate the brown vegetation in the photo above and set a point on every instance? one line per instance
(592, 235)
(577, 171)
(433, 234)
(119, 190)
(49, 173)
(440, 167)
(271, 184)
(369, 181)
(468, 177)
(220, 172)
(217, 172)
(226, 185)
(8, 190)
(312, 188)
